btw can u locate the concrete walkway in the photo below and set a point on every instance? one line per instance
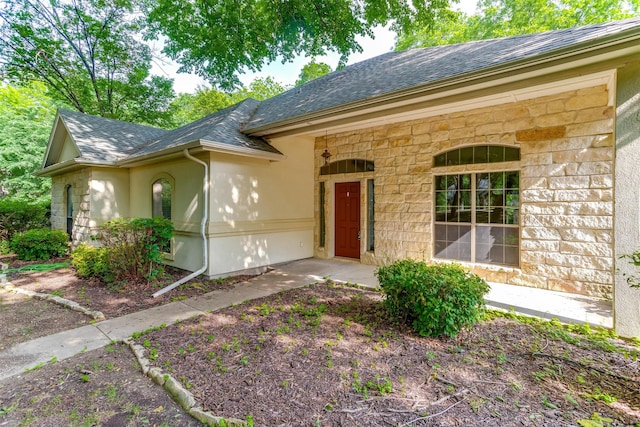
(536, 302)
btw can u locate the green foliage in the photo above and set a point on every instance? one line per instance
(131, 250)
(435, 300)
(243, 36)
(88, 53)
(312, 71)
(502, 18)
(91, 261)
(634, 259)
(40, 244)
(19, 216)
(26, 114)
(192, 107)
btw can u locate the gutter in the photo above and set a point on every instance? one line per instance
(203, 224)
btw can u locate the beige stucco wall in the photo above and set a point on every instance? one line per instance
(627, 200)
(566, 143)
(109, 195)
(261, 211)
(187, 205)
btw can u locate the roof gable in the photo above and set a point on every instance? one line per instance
(105, 140)
(397, 71)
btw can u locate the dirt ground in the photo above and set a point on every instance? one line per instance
(326, 356)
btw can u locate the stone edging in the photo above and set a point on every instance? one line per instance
(183, 397)
(95, 315)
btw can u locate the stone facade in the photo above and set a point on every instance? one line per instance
(566, 190)
(79, 182)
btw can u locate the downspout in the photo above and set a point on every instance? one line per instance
(203, 225)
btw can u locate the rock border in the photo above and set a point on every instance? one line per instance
(95, 315)
(181, 395)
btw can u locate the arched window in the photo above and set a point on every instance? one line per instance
(162, 194)
(477, 213)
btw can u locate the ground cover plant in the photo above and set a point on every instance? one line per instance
(328, 355)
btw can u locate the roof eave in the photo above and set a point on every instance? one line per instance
(204, 145)
(622, 41)
(219, 147)
(71, 166)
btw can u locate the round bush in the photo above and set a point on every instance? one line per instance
(435, 300)
(40, 244)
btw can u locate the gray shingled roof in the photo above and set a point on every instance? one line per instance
(100, 139)
(221, 127)
(395, 71)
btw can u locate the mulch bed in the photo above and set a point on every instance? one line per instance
(326, 355)
(115, 302)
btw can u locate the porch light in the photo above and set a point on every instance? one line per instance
(326, 155)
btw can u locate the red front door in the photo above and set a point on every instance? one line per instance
(348, 219)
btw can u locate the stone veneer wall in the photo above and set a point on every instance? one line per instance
(566, 143)
(79, 181)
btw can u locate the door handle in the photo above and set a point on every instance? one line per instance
(358, 234)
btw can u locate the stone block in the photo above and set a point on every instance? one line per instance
(537, 183)
(590, 275)
(478, 118)
(601, 181)
(540, 233)
(590, 168)
(584, 155)
(556, 119)
(568, 182)
(580, 102)
(489, 128)
(511, 112)
(541, 134)
(590, 128)
(587, 249)
(544, 171)
(590, 208)
(519, 124)
(463, 132)
(399, 130)
(593, 114)
(439, 125)
(532, 196)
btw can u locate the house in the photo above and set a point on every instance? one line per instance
(517, 157)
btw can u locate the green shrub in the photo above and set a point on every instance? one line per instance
(40, 244)
(133, 248)
(435, 300)
(18, 216)
(91, 261)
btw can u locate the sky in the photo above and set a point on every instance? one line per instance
(287, 73)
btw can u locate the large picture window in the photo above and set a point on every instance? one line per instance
(477, 217)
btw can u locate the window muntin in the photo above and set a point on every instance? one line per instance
(162, 194)
(477, 215)
(477, 155)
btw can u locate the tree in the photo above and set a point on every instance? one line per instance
(217, 39)
(26, 114)
(501, 18)
(312, 71)
(260, 89)
(191, 107)
(88, 55)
